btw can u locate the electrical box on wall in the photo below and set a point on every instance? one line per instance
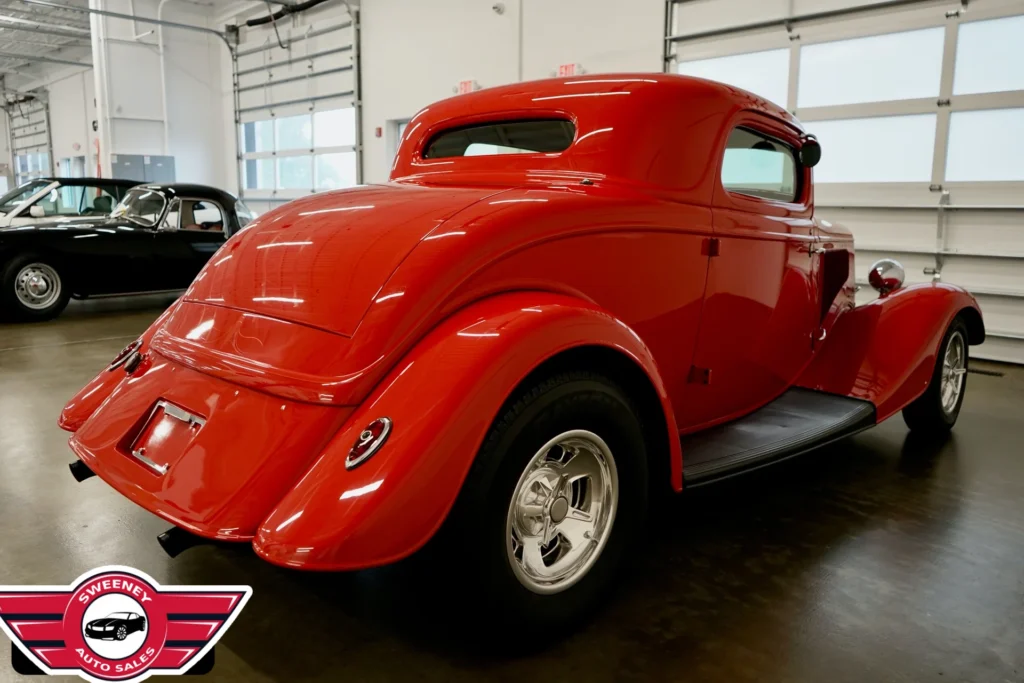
(144, 168)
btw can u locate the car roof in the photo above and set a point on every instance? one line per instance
(121, 182)
(655, 129)
(194, 190)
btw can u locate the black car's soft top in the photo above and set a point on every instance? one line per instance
(225, 199)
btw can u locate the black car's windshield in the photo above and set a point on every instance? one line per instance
(119, 615)
(141, 205)
(19, 194)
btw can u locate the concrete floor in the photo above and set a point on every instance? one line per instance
(877, 559)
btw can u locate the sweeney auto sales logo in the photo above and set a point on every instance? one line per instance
(118, 624)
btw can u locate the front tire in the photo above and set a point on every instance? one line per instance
(556, 495)
(121, 633)
(937, 409)
(31, 288)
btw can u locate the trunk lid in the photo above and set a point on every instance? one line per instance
(320, 261)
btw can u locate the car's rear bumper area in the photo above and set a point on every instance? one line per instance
(207, 455)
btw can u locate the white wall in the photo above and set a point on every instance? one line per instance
(416, 53)
(72, 111)
(130, 100)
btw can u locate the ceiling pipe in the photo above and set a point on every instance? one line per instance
(38, 58)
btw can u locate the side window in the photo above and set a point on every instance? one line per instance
(199, 215)
(97, 201)
(759, 166)
(62, 201)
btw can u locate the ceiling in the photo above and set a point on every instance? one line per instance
(34, 37)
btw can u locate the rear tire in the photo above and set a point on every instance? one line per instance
(32, 288)
(937, 409)
(553, 501)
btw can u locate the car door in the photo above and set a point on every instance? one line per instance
(192, 232)
(761, 306)
(106, 257)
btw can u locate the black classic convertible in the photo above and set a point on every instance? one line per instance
(156, 239)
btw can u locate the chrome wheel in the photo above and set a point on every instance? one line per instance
(37, 286)
(122, 632)
(954, 366)
(562, 511)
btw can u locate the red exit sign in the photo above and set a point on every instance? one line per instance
(466, 87)
(565, 70)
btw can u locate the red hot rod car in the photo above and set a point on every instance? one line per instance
(570, 295)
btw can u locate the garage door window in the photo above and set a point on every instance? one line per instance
(764, 73)
(293, 155)
(894, 66)
(990, 56)
(758, 166)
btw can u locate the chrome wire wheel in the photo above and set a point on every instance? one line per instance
(37, 286)
(954, 367)
(561, 512)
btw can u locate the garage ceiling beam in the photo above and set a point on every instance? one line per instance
(130, 17)
(41, 58)
(10, 23)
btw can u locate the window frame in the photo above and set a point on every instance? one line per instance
(798, 170)
(430, 140)
(780, 133)
(225, 220)
(272, 156)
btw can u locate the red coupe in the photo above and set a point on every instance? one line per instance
(572, 294)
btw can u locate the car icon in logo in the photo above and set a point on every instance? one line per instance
(115, 626)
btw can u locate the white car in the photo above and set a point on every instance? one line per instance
(56, 199)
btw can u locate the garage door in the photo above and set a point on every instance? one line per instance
(920, 112)
(296, 105)
(29, 125)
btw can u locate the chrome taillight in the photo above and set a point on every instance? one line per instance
(123, 355)
(369, 442)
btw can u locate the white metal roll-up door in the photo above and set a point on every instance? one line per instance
(297, 108)
(29, 126)
(920, 112)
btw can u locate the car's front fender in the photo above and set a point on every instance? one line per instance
(884, 351)
(442, 398)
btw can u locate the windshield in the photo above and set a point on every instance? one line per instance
(142, 206)
(19, 194)
(119, 615)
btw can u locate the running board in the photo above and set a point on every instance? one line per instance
(798, 421)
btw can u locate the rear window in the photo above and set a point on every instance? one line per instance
(759, 166)
(507, 137)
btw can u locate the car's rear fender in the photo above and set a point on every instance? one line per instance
(442, 398)
(884, 351)
(92, 395)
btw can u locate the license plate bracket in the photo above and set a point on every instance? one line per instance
(166, 433)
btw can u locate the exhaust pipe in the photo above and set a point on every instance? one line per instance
(80, 471)
(176, 540)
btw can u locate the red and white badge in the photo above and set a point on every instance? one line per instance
(118, 624)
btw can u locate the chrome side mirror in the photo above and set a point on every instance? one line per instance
(886, 276)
